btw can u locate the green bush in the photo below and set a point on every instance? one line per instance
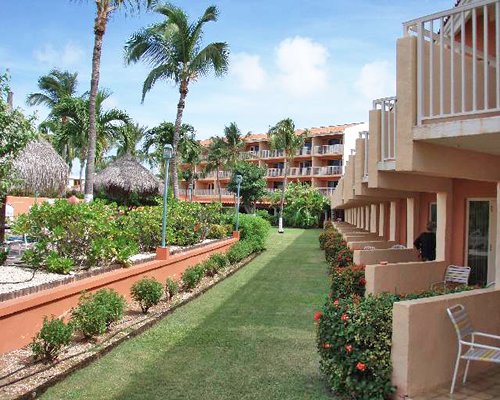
(254, 229)
(332, 249)
(220, 259)
(347, 282)
(171, 288)
(329, 226)
(239, 251)
(3, 255)
(147, 292)
(217, 232)
(192, 276)
(210, 268)
(112, 302)
(52, 338)
(304, 205)
(264, 214)
(343, 258)
(90, 317)
(87, 234)
(328, 235)
(143, 226)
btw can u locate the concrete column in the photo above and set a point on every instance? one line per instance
(373, 220)
(367, 218)
(360, 219)
(497, 247)
(392, 222)
(410, 222)
(441, 226)
(381, 219)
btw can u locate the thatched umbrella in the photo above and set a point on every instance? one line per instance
(40, 170)
(124, 177)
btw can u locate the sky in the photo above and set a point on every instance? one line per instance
(319, 62)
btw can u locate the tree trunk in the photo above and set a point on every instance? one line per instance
(3, 210)
(218, 185)
(183, 90)
(82, 163)
(282, 200)
(99, 30)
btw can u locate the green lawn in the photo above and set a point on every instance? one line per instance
(250, 337)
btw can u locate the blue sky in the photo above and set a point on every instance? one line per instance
(320, 62)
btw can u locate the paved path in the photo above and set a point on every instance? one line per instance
(250, 337)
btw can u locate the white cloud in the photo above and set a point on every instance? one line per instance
(303, 66)
(70, 55)
(376, 80)
(246, 68)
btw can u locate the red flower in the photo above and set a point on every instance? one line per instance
(336, 302)
(326, 345)
(362, 281)
(361, 366)
(318, 315)
(348, 348)
(344, 317)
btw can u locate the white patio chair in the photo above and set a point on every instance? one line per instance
(476, 351)
(369, 248)
(398, 246)
(454, 274)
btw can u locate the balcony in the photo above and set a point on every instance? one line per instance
(212, 193)
(304, 151)
(330, 170)
(271, 153)
(326, 191)
(213, 175)
(388, 131)
(297, 171)
(275, 172)
(329, 149)
(248, 155)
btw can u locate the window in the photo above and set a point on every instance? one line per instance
(335, 163)
(433, 212)
(334, 141)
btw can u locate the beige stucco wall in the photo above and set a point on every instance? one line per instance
(378, 244)
(368, 257)
(404, 277)
(424, 343)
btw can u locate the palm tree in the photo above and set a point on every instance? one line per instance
(105, 8)
(173, 48)
(53, 88)
(191, 155)
(282, 136)
(216, 159)
(235, 143)
(75, 131)
(130, 136)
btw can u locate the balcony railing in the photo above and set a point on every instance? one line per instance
(212, 192)
(271, 153)
(329, 149)
(326, 191)
(327, 171)
(298, 171)
(274, 172)
(388, 108)
(304, 151)
(247, 155)
(456, 76)
(213, 174)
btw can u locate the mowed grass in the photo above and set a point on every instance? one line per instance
(250, 337)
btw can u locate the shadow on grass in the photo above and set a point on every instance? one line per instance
(257, 342)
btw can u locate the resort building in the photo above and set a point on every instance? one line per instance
(432, 153)
(319, 163)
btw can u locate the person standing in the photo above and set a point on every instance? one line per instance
(425, 243)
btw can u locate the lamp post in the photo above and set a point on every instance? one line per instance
(238, 179)
(167, 154)
(191, 192)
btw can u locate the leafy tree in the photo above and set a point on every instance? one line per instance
(282, 136)
(235, 143)
(15, 132)
(216, 159)
(105, 8)
(253, 184)
(173, 48)
(304, 205)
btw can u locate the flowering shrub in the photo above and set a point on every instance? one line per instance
(329, 235)
(343, 258)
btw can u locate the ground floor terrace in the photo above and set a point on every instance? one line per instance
(424, 343)
(250, 337)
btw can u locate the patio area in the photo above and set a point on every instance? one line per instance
(484, 387)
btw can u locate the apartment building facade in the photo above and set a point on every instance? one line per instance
(432, 153)
(319, 163)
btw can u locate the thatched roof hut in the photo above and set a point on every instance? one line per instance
(124, 177)
(40, 170)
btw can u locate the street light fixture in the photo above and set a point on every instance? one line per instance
(238, 179)
(191, 192)
(167, 154)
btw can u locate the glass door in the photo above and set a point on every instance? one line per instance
(479, 240)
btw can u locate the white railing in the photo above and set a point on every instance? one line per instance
(272, 172)
(388, 131)
(326, 191)
(455, 76)
(304, 151)
(300, 171)
(212, 192)
(329, 170)
(271, 153)
(248, 155)
(329, 149)
(213, 174)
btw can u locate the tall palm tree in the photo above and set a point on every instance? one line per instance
(53, 88)
(191, 155)
(216, 159)
(235, 143)
(282, 136)
(105, 8)
(129, 138)
(173, 48)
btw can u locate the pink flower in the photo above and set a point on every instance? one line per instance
(361, 366)
(336, 302)
(318, 315)
(344, 317)
(348, 348)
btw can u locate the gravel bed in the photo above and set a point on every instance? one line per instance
(19, 278)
